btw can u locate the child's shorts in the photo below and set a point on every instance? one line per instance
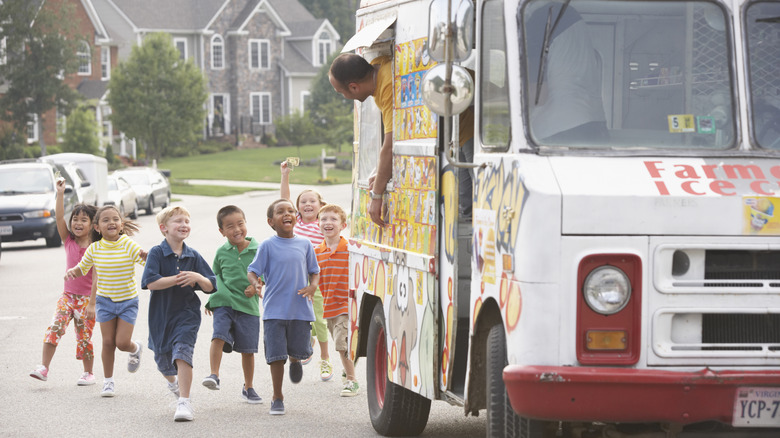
(283, 338)
(239, 329)
(339, 329)
(106, 310)
(166, 362)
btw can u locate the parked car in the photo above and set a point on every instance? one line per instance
(27, 197)
(121, 194)
(85, 191)
(93, 167)
(150, 185)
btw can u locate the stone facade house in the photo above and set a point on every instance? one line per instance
(259, 56)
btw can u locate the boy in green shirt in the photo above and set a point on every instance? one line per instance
(234, 305)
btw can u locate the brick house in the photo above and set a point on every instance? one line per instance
(97, 54)
(259, 56)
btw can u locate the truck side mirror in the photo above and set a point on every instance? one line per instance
(461, 21)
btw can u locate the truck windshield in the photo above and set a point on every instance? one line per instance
(763, 35)
(628, 74)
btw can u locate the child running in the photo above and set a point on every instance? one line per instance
(114, 257)
(173, 273)
(308, 204)
(333, 258)
(74, 301)
(235, 306)
(290, 272)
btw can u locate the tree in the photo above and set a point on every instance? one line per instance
(340, 13)
(38, 49)
(329, 110)
(296, 129)
(81, 134)
(157, 98)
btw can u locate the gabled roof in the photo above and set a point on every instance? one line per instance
(254, 6)
(170, 15)
(296, 61)
(92, 89)
(101, 33)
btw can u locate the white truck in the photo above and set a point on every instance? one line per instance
(620, 271)
(94, 168)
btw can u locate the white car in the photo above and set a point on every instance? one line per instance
(121, 194)
(151, 187)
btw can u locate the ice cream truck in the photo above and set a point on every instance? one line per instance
(619, 271)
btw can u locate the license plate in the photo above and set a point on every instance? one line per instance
(757, 407)
(6, 230)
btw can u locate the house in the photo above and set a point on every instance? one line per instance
(97, 54)
(259, 56)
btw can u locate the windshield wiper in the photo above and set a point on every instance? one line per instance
(768, 20)
(11, 192)
(548, 31)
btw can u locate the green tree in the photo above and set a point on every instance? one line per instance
(296, 129)
(330, 112)
(157, 98)
(340, 13)
(81, 134)
(38, 54)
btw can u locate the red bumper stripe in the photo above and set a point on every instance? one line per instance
(628, 395)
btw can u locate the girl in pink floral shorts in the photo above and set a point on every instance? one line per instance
(73, 303)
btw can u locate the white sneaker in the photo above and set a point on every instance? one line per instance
(108, 389)
(134, 359)
(183, 411)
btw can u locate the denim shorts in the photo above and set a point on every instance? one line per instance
(237, 328)
(107, 310)
(166, 362)
(283, 338)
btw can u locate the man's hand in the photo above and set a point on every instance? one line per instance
(375, 211)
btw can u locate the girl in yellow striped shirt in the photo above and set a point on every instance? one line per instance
(114, 257)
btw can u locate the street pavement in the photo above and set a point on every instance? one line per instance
(30, 284)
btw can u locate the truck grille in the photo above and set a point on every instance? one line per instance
(721, 328)
(741, 265)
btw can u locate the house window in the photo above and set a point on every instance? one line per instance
(259, 54)
(107, 130)
(105, 63)
(217, 52)
(323, 48)
(62, 124)
(261, 108)
(32, 129)
(181, 46)
(305, 101)
(84, 55)
(3, 56)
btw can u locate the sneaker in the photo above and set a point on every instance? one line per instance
(277, 408)
(40, 373)
(86, 379)
(174, 388)
(183, 411)
(134, 359)
(296, 371)
(108, 389)
(211, 382)
(250, 395)
(351, 389)
(326, 370)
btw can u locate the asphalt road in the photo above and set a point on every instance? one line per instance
(30, 284)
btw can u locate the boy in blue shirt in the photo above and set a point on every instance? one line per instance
(173, 272)
(234, 305)
(290, 272)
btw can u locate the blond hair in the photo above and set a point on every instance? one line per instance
(333, 208)
(168, 212)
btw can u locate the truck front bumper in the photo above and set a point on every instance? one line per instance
(629, 395)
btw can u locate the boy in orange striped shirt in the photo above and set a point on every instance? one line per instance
(333, 258)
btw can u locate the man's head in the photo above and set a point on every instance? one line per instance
(352, 76)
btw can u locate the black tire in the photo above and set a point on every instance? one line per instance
(134, 214)
(502, 421)
(150, 206)
(167, 201)
(394, 410)
(53, 241)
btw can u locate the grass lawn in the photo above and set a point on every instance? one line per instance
(181, 188)
(254, 165)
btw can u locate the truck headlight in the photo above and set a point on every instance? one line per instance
(607, 290)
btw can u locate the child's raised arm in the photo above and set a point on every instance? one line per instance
(59, 210)
(285, 186)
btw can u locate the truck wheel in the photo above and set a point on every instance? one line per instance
(394, 410)
(502, 421)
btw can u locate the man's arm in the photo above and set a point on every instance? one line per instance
(384, 171)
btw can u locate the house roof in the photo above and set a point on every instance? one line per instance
(170, 15)
(92, 89)
(295, 61)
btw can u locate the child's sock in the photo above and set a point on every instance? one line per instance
(182, 399)
(108, 379)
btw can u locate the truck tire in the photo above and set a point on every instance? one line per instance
(394, 410)
(502, 421)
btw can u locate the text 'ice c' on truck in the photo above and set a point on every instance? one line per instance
(602, 258)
